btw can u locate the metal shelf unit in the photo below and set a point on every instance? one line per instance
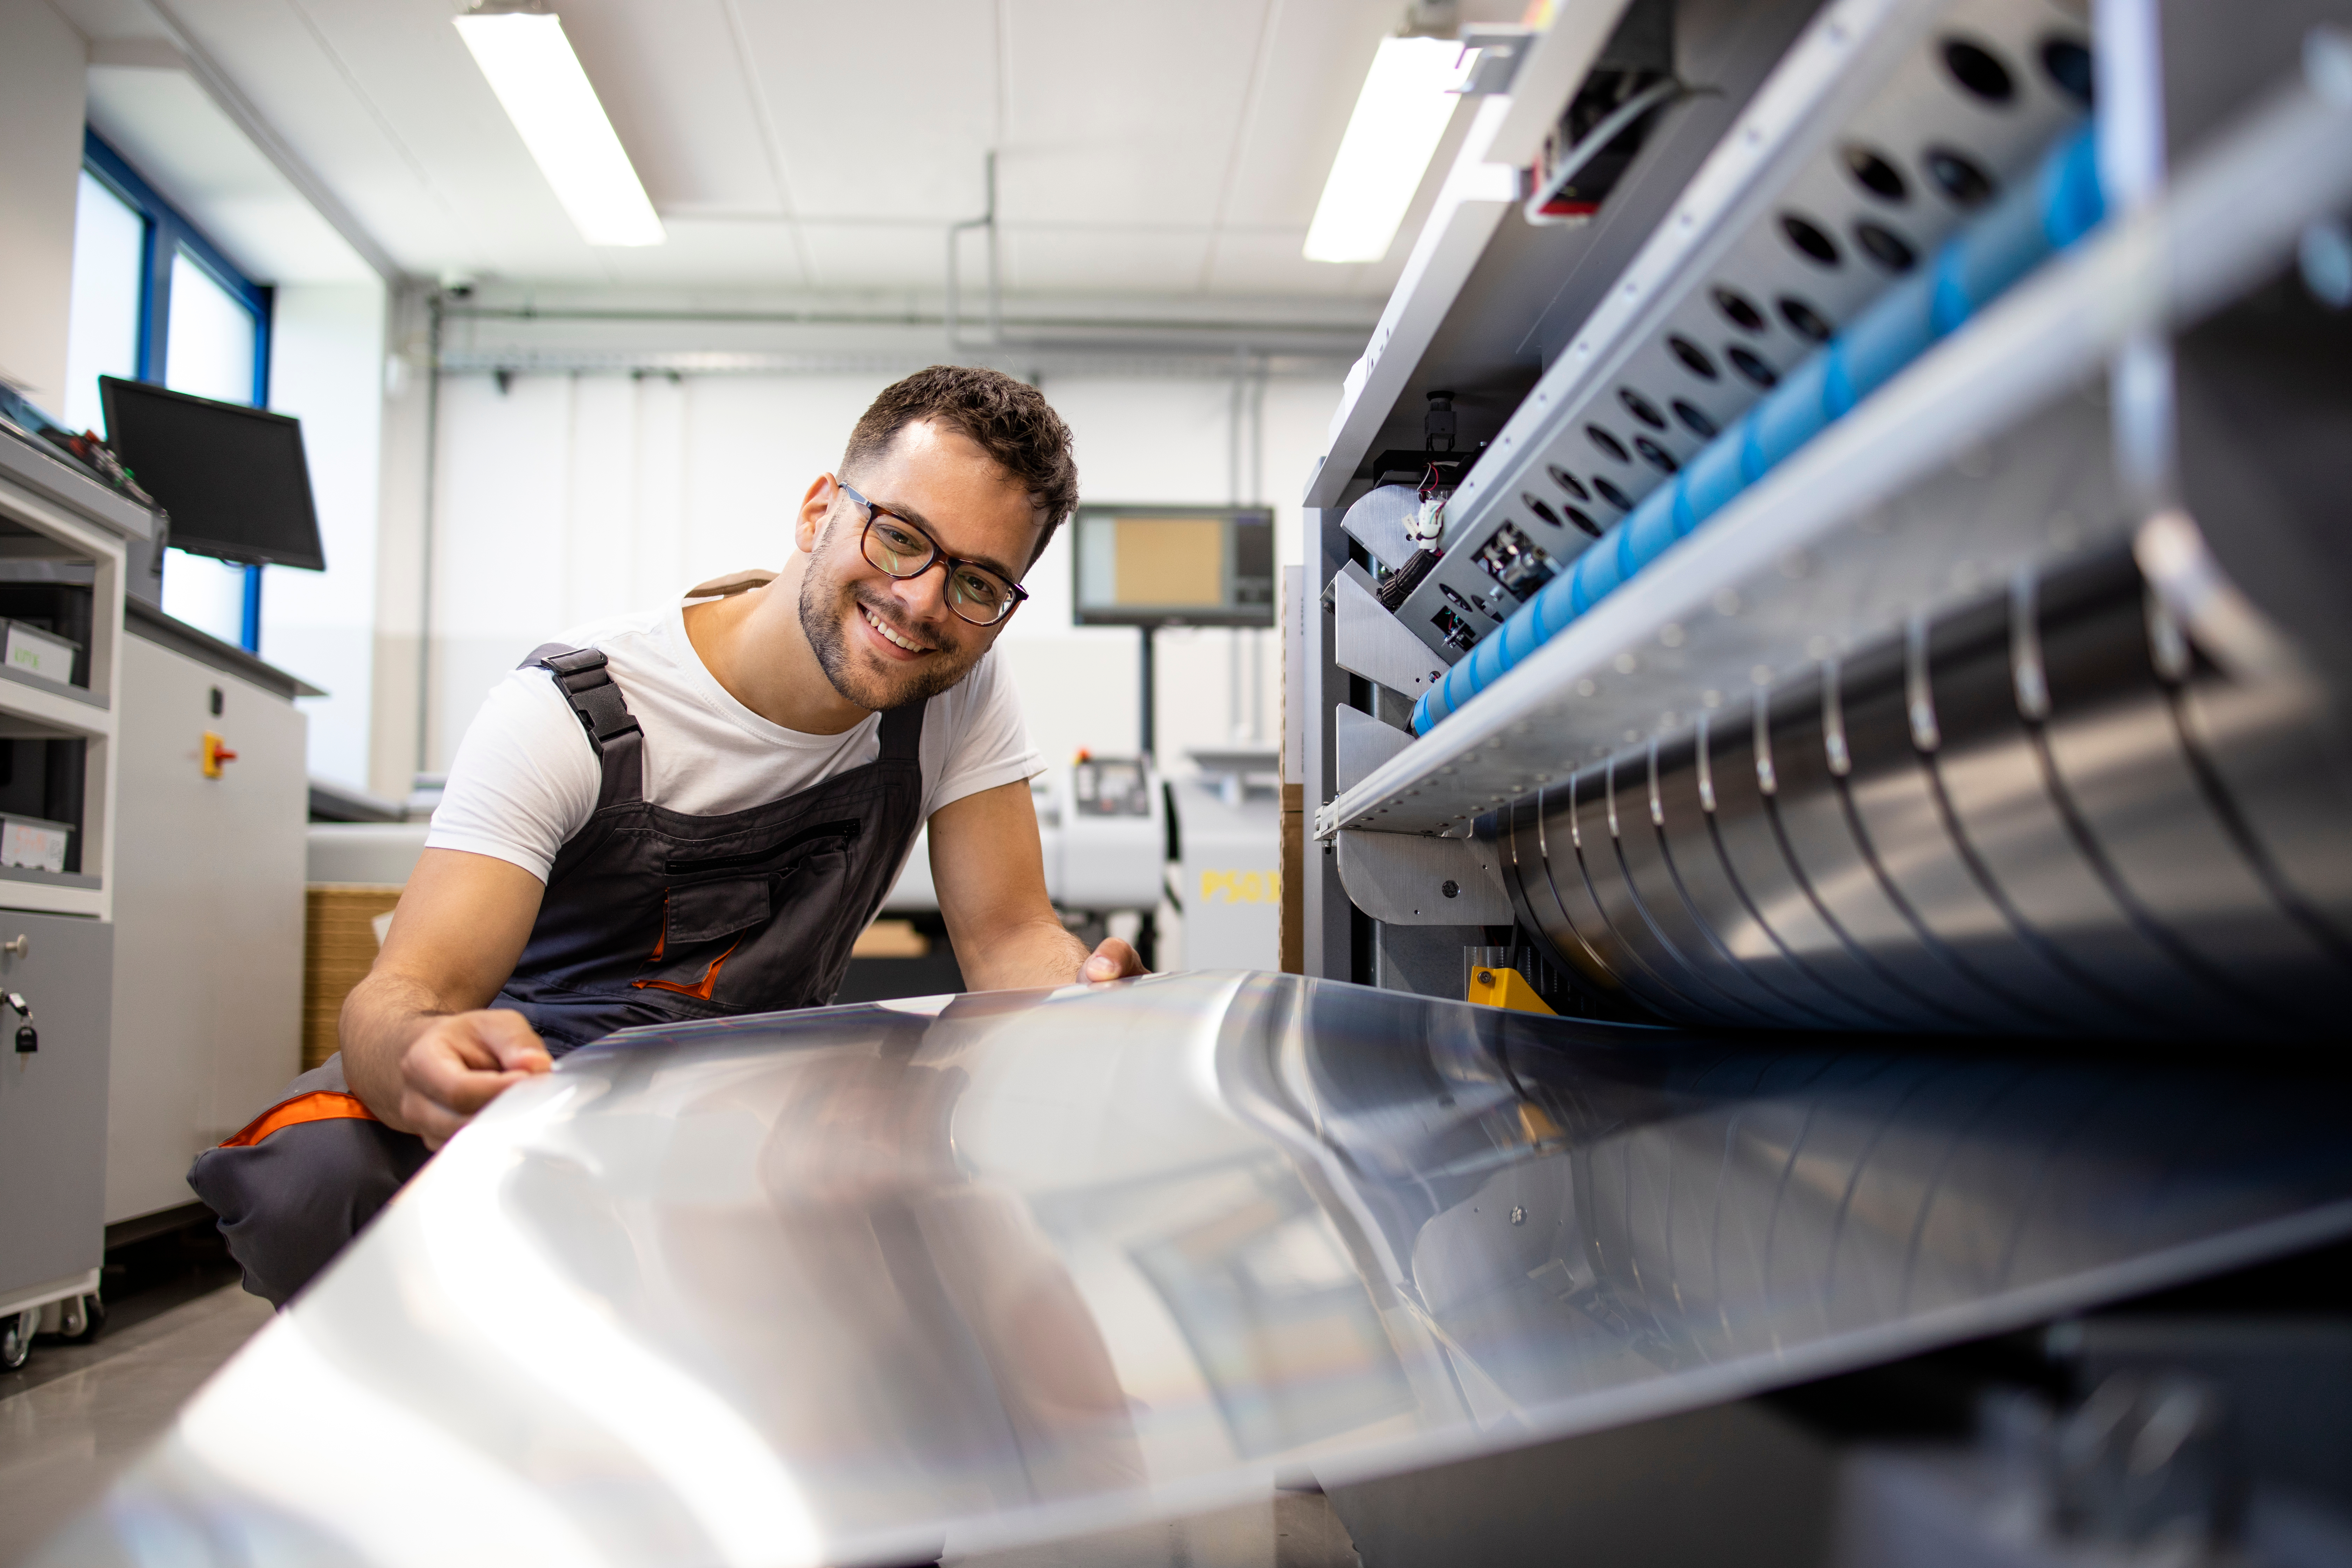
(51, 513)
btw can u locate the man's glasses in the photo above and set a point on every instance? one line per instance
(975, 593)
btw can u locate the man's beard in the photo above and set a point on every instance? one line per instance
(823, 622)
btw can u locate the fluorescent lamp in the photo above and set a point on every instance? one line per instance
(538, 79)
(1400, 116)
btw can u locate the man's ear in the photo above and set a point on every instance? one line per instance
(809, 521)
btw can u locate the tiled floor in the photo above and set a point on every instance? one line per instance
(78, 1414)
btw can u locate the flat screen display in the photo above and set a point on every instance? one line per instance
(234, 478)
(1173, 565)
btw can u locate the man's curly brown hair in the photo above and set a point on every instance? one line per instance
(1008, 419)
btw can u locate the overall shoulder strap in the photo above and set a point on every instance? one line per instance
(588, 686)
(902, 732)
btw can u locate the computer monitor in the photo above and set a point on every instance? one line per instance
(1173, 565)
(234, 478)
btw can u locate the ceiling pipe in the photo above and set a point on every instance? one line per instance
(987, 220)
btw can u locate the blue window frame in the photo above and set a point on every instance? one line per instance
(169, 233)
(168, 237)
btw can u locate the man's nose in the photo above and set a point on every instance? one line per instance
(925, 592)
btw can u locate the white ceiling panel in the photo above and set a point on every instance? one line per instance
(842, 254)
(1142, 148)
(1266, 261)
(880, 112)
(303, 86)
(1316, 58)
(1124, 113)
(407, 63)
(1145, 260)
(721, 253)
(195, 155)
(647, 60)
(732, 252)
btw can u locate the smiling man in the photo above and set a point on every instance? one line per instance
(692, 811)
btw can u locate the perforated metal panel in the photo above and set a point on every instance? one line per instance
(1882, 131)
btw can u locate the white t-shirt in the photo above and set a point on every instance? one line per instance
(525, 777)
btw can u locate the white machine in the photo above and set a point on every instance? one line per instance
(1229, 860)
(1102, 822)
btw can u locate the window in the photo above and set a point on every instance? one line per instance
(102, 326)
(155, 301)
(213, 337)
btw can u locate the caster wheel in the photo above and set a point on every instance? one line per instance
(79, 1319)
(17, 1338)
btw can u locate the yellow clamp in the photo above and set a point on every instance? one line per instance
(1494, 987)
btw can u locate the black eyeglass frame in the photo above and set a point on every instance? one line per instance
(937, 556)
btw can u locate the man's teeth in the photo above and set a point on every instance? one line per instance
(874, 621)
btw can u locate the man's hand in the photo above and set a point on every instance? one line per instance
(991, 876)
(417, 1050)
(461, 1062)
(1114, 960)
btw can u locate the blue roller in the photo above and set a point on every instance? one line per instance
(2036, 219)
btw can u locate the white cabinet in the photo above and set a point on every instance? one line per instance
(209, 906)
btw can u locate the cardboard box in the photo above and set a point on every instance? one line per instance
(339, 947)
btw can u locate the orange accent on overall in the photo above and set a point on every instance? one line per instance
(319, 1105)
(701, 990)
(662, 941)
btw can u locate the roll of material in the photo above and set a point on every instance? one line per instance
(2037, 218)
(888, 1283)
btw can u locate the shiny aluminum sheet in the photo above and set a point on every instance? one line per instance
(856, 1285)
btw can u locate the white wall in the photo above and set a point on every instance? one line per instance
(393, 704)
(566, 498)
(1161, 440)
(41, 106)
(326, 368)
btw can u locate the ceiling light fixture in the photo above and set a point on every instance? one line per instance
(1400, 116)
(538, 79)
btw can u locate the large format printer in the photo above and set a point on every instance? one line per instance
(1820, 584)
(1839, 530)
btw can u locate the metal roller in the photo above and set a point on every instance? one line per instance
(2013, 837)
(1670, 950)
(2273, 758)
(2117, 769)
(1656, 887)
(1745, 780)
(1813, 762)
(2044, 813)
(1686, 838)
(1898, 812)
(1651, 968)
(1559, 873)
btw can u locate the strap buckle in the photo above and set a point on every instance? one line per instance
(589, 687)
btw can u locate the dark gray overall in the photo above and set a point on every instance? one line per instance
(650, 916)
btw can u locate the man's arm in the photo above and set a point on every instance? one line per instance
(991, 878)
(417, 1050)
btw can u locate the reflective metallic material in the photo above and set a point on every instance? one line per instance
(843, 1286)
